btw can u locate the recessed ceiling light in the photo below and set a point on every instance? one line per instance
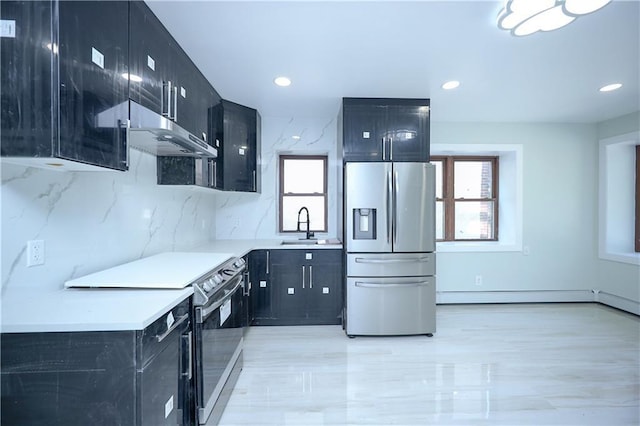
(610, 87)
(451, 85)
(295, 137)
(282, 81)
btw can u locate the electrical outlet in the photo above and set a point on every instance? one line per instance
(35, 252)
(478, 279)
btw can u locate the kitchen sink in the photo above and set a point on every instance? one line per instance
(310, 242)
(301, 241)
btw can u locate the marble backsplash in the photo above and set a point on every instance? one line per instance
(94, 220)
(255, 216)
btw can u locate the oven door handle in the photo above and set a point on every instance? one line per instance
(175, 325)
(205, 312)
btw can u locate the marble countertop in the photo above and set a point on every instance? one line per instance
(113, 309)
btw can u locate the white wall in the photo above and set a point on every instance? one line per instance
(254, 216)
(559, 202)
(94, 220)
(619, 279)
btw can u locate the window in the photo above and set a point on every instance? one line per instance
(466, 198)
(637, 199)
(303, 183)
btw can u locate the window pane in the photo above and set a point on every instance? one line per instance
(439, 220)
(291, 206)
(474, 220)
(439, 182)
(303, 176)
(472, 179)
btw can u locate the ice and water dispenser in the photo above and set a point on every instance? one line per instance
(364, 224)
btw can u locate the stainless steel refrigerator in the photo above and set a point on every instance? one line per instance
(390, 244)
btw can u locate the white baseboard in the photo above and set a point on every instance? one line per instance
(533, 296)
(617, 302)
(538, 296)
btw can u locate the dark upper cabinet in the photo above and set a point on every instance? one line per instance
(377, 129)
(64, 86)
(236, 135)
(163, 77)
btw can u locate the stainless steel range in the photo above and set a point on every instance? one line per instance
(218, 330)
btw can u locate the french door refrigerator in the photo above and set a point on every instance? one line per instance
(390, 248)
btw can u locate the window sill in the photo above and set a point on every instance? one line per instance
(622, 257)
(476, 246)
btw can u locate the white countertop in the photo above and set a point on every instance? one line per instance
(114, 309)
(164, 270)
(33, 310)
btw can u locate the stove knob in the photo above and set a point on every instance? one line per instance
(239, 263)
(217, 279)
(208, 285)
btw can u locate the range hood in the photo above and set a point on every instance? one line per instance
(157, 135)
(152, 133)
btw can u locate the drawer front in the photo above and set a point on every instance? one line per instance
(154, 337)
(391, 306)
(391, 265)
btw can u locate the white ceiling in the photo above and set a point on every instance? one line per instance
(335, 49)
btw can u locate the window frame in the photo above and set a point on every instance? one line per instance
(449, 200)
(637, 194)
(281, 194)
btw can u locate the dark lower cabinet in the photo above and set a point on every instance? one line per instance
(137, 377)
(64, 87)
(305, 288)
(260, 299)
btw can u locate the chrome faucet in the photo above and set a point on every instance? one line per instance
(308, 222)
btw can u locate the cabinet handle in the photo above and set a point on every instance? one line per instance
(166, 93)
(267, 262)
(175, 325)
(310, 276)
(255, 183)
(175, 103)
(384, 149)
(189, 339)
(390, 149)
(303, 271)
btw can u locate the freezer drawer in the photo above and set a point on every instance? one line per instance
(391, 306)
(391, 264)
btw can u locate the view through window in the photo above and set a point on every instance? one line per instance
(303, 183)
(466, 198)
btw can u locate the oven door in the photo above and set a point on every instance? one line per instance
(219, 340)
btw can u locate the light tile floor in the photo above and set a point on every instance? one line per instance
(536, 364)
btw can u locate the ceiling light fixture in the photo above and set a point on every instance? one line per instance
(282, 81)
(450, 85)
(610, 87)
(524, 17)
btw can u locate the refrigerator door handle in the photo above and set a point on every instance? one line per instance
(395, 207)
(388, 285)
(404, 260)
(389, 208)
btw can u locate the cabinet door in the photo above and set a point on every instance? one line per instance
(408, 132)
(160, 386)
(261, 302)
(288, 278)
(25, 116)
(94, 89)
(324, 295)
(364, 132)
(191, 95)
(239, 141)
(150, 45)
